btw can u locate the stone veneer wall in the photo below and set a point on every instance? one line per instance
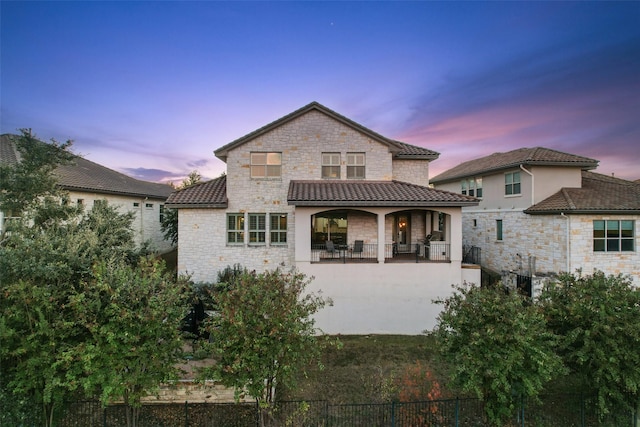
(583, 256)
(301, 142)
(541, 240)
(413, 171)
(524, 237)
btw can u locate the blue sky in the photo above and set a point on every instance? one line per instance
(153, 88)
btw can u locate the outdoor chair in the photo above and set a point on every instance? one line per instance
(358, 247)
(330, 248)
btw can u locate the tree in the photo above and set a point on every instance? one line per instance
(263, 333)
(29, 188)
(42, 270)
(133, 316)
(169, 225)
(497, 345)
(598, 319)
(46, 260)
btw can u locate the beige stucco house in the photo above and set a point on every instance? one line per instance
(542, 212)
(88, 182)
(341, 203)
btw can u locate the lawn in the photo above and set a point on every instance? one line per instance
(367, 369)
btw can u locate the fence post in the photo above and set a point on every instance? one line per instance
(582, 410)
(457, 411)
(104, 417)
(186, 413)
(393, 414)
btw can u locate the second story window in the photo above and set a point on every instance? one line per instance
(266, 165)
(472, 187)
(511, 183)
(331, 165)
(355, 166)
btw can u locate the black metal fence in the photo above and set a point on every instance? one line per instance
(556, 410)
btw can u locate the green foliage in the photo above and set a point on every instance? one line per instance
(169, 225)
(132, 315)
(498, 347)
(598, 320)
(31, 183)
(263, 333)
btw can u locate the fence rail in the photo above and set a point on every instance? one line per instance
(554, 410)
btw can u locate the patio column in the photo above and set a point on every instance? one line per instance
(381, 237)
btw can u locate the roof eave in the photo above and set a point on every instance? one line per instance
(584, 212)
(223, 151)
(111, 192)
(480, 172)
(196, 205)
(398, 204)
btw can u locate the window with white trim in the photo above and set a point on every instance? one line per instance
(331, 165)
(613, 235)
(266, 165)
(278, 229)
(257, 228)
(511, 183)
(471, 187)
(235, 228)
(355, 166)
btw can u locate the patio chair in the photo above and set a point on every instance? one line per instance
(358, 247)
(330, 248)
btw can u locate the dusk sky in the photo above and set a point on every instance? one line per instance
(151, 88)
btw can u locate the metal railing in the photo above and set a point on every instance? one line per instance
(571, 410)
(419, 252)
(366, 252)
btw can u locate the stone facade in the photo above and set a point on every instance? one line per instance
(374, 296)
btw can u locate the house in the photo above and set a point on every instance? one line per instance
(88, 183)
(341, 203)
(543, 211)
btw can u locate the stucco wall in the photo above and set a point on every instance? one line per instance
(146, 225)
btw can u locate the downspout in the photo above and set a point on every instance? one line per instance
(568, 241)
(533, 185)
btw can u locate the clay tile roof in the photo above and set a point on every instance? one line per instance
(371, 193)
(598, 194)
(8, 153)
(409, 151)
(209, 194)
(85, 175)
(522, 156)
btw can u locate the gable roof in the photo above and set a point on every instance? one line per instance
(208, 194)
(85, 175)
(598, 194)
(400, 149)
(371, 193)
(537, 156)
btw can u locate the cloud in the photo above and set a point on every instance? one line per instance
(569, 98)
(153, 175)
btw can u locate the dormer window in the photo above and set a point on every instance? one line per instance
(355, 166)
(266, 165)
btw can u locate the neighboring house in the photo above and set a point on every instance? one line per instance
(344, 205)
(542, 212)
(88, 183)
